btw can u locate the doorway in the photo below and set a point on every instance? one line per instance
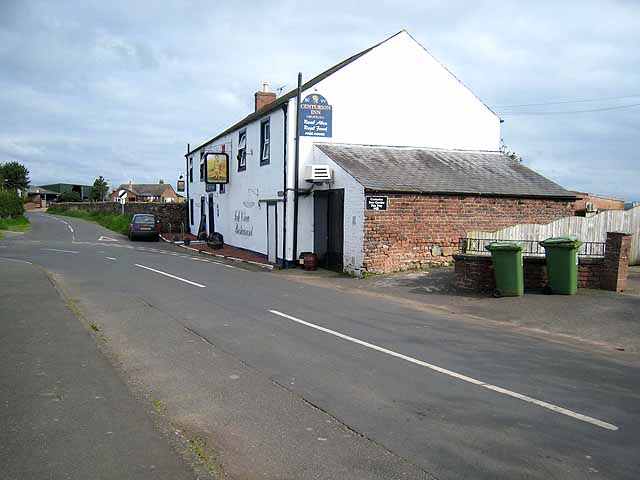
(272, 232)
(328, 221)
(211, 215)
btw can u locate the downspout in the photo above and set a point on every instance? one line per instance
(285, 110)
(186, 180)
(296, 171)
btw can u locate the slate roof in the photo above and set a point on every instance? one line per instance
(145, 189)
(406, 169)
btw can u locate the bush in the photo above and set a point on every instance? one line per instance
(10, 205)
(70, 197)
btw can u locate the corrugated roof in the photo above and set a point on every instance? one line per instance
(407, 169)
(291, 94)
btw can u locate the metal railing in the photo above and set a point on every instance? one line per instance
(531, 248)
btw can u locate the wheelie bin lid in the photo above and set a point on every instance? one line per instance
(561, 242)
(504, 246)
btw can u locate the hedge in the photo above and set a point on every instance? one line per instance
(10, 205)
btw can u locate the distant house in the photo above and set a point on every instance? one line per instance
(83, 190)
(588, 204)
(147, 192)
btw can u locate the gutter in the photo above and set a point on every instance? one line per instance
(296, 170)
(285, 110)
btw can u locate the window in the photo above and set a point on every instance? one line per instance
(202, 166)
(191, 210)
(242, 150)
(223, 188)
(265, 135)
(191, 170)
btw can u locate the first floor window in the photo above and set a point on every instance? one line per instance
(191, 170)
(242, 150)
(265, 137)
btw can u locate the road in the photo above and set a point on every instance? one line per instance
(259, 364)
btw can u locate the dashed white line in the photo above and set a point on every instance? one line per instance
(110, 258)
(58, 250)
(465, 378)
(171, 276)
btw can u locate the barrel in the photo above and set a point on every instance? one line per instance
(310, 262)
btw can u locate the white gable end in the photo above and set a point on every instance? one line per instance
(398, 94)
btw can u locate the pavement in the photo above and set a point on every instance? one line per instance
(273, 377)
(65, 413)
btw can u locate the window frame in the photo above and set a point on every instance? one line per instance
(191, 205)
(242, 152)
(191, 170)
(202, 166)
(265, 141)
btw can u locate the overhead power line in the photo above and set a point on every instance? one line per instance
(604, 109)
(561, 102)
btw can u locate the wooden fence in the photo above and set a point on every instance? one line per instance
(593, 229)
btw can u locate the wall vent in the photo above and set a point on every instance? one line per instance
(318, 173)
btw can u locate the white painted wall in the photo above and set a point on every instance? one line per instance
(239, 215)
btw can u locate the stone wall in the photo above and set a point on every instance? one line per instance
(171, 215)
(421, 229)
(475, 272)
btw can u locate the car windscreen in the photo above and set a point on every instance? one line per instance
(144, 220)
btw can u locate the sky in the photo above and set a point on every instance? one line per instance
(118, 88)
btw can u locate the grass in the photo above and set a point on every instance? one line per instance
(198, 446)
(16, 224)
(112, 221)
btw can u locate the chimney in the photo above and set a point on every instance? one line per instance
(130, 185)
(265, 97)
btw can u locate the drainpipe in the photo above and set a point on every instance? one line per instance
(285, 110)
(296, 171)
(186, 181)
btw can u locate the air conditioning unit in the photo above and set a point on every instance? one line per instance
(318, 174)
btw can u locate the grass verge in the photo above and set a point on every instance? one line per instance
(16, 224)
(112, 221)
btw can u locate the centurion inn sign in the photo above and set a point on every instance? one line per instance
(315, 116)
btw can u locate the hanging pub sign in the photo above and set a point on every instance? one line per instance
(180, 185)
(216, 168)
(315, 116)
(377, 203)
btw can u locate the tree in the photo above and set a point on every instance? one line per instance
(14, 175)
(70, 197)
(505, 150)
(99, 189)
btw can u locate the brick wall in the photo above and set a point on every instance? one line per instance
(171, 215)
(421, 229)
(475, 272)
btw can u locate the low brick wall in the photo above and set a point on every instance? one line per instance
(475, 272)
(171, 215)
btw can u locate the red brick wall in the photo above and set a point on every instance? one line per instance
(417, 230)
(475, 272)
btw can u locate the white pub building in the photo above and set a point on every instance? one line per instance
(386, 122)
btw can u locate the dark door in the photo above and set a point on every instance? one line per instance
(211, 213)
(328, 213)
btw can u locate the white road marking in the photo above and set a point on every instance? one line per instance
(70, 227)
(480, 383)
(16, 260)
(106, 239)
(171, 276)
(110, 258)
(58, 250)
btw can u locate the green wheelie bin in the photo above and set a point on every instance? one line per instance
(507, 266)
(562, 264)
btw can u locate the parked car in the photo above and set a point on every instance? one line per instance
(144, 225)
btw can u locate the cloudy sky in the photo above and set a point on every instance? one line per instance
(119, 87)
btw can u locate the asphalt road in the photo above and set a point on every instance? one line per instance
(419, 394)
